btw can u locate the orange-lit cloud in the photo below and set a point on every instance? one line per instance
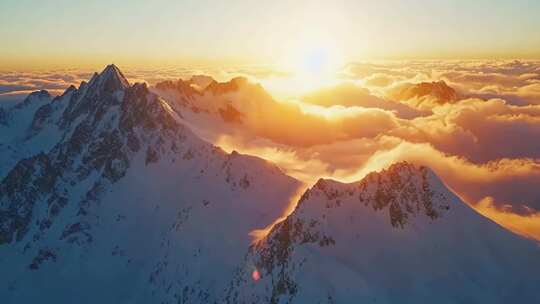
(482, 147)
(524, 224)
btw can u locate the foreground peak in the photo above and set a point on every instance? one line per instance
(404, 189)
(405, 168)
(401, 170)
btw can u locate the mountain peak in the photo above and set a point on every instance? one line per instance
(110, 79)
(218, 88)
(36, 97)
(405, 169)
(404, 189)
(201, 81)
(401, 170)
(438, 89)
(402, 220)
(39, 94)
(111, 68)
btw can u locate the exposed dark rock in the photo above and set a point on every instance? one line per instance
(43, 255)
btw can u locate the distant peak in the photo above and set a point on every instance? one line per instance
(201, 81)
(70, 89)
(40, 94)
(439, 89)
(240, 80)
(233, 85)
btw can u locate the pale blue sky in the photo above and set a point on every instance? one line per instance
(63, 31)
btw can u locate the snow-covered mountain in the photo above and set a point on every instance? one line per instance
(229, 101)
(16, 140)
(106, 196)
(128, 206)
(397, 236)
(242, 109)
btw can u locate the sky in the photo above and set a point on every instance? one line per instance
(63, 33)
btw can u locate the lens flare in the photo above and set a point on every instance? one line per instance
(255, 275)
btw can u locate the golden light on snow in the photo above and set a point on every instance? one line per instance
(293, 201)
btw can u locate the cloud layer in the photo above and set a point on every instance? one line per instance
(475, 123)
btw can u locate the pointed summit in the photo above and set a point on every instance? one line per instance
(110, 79)
(103, 90)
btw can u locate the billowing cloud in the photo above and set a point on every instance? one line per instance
(474, 123)
(504, 180)
(524, 224)
(349, 95)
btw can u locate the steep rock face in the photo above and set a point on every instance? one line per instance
(127, 197)
(398, 236)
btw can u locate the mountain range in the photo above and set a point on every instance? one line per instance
(107, 195)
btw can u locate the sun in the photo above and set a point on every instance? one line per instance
(318, 62)
(314, 62)
(310, 66)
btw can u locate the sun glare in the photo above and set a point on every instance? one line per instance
(310, 66)
(316, 65)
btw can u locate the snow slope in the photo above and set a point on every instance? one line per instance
(16, 134)
(398, 236)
